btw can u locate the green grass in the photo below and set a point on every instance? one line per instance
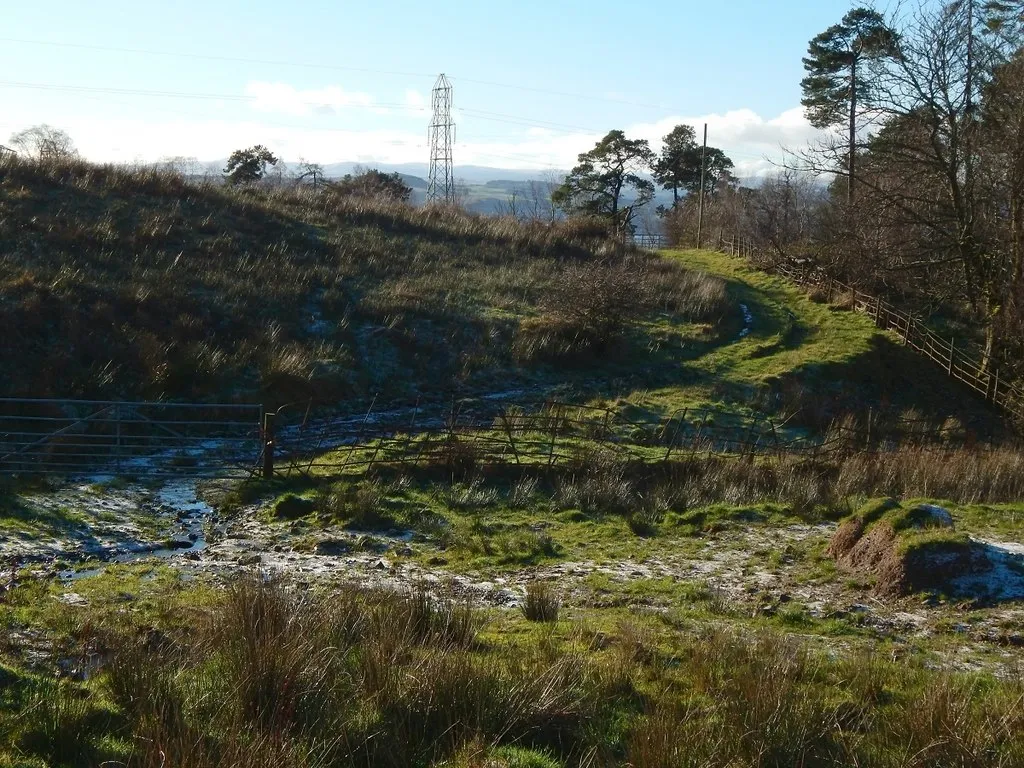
(270, 675)
(806, 361)
(791, 334)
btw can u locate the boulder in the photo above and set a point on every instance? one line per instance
(930, 516)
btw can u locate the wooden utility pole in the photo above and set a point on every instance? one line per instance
(700, 205)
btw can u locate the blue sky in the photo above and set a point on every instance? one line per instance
(333, 80)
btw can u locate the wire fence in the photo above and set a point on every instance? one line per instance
(72, 437)
(956, 361)
(555, 434)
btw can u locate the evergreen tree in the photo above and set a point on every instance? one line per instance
(247, 166)
(838, 81)
(608, 176)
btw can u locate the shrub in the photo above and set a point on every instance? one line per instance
(360, 505)
(292, 507)
(542, 602)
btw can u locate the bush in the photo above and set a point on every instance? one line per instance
(542, 602)
(359, 505)
(292, 507)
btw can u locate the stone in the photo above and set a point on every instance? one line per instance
(333, 547)
(931, 516)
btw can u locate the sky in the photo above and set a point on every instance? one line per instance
(536, 82)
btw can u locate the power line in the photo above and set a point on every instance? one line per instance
(340, 68)
(515, 120)
(183, 94)
(562, 94)
(212, 57)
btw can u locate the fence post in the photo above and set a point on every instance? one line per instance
(117, 449)
(268, 445)
(554, 437)
(878, 312)
(993, 386)
(906, 330)
(952, 353)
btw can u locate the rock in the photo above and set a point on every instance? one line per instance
(333, 547)
(931, 516)
(292, 507)
(435, 560)
(380, 565)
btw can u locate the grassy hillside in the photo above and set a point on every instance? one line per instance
(140, 284)
(587, 598)
(137, 284)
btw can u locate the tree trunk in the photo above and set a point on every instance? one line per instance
(991, 350)
(851, 147)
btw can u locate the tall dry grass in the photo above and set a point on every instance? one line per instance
(278, 676)
(140, 282)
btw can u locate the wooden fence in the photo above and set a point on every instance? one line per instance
(955, 361)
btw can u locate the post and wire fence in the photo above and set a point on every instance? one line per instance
(555, 435)
(155, 439)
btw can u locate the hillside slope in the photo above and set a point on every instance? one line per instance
(141, 285)
(137, 284)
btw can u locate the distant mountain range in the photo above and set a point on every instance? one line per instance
(469, 174)
(484, 189)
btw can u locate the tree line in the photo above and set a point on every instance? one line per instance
(248, 166)
(616, 179)
(916, 188)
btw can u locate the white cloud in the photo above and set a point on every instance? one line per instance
(415, 99)
(751, 140)
(287, 99)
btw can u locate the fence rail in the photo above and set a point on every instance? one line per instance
(957, 362)
(43, 436)
(651, 241)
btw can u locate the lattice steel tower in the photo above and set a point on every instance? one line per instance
(441, 183)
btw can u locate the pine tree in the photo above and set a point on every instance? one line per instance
(606, 175)
(837, 84)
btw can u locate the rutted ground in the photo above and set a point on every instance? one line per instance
(768, 571)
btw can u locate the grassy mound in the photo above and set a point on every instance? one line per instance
(135, 283)
(903, 550)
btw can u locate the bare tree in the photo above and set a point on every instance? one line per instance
(539, 205)
(44, 142)
(311, 173)
(181, 165)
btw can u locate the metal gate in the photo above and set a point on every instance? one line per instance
(72, 437)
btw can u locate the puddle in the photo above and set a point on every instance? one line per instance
(748, 321)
